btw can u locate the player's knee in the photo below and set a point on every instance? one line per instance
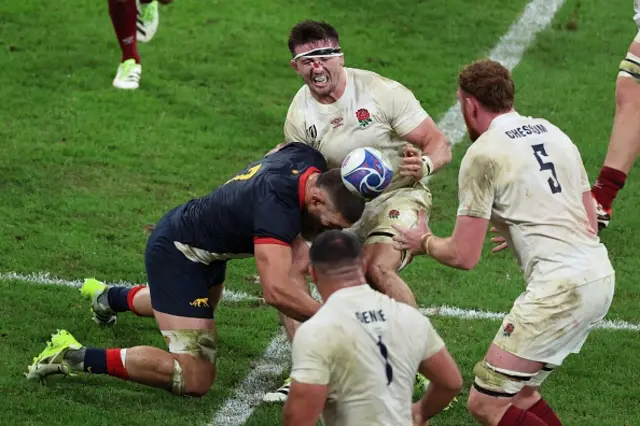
(494, 386)
(628, 82)
(191, 376)
(194, 365)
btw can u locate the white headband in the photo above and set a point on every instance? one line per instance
(320, 52)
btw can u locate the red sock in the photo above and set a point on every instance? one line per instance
(115, 366)
(609, 182)
(131, 295)
(542, 410)
(123, 17)
(517, 417)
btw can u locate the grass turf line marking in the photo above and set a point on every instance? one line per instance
(238, 296)
(249, 393)
(46, 279)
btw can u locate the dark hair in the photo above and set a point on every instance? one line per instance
(309, 31)
(335, 249)
(490, 83)
(347, 203)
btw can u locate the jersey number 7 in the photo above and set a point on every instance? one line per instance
(538, 152)
(246, 176)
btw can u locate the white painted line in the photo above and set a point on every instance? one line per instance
(473, 314)
(46, 279)
(238, 296)
(509, 51)
(249, 394)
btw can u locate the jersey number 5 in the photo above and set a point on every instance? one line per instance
(538, 152)
(385, 354)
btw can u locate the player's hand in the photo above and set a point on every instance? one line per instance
(500, 241)
(411, 238)
(412, 163)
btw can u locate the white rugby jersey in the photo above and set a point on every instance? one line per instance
(373, 111)
(367, 347)
(527, 177)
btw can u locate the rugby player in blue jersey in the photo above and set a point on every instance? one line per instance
(259, 212)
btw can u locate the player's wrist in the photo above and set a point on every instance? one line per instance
(427, 166)
(424, 242)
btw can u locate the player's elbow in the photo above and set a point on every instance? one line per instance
(466, 259)
(273, 295)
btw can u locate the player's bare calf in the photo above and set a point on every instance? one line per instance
(624, 145)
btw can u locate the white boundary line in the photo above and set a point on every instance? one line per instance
(509, 51)
(238, 296)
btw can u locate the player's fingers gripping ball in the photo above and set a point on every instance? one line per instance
(365, 171)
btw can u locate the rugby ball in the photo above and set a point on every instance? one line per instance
(365, 171)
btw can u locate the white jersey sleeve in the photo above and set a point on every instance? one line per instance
(477, 183)
(401, 108)
(433, 341)
(310, 353)
(294, 123)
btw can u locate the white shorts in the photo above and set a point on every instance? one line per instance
(397, 207)
(548, 329)
(636, 17)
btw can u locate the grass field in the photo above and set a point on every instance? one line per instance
(84, 169)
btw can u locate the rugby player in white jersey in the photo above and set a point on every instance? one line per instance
(355, 360)
(624, 145)
(527, 177)
(339, 109)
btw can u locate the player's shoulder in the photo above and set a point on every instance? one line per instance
(369, 80)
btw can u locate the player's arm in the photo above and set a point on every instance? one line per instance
(412, 123)
(274, 261)
(464, 247)
(310, 373)
(445, 380)
(433, 145)
(305, 403)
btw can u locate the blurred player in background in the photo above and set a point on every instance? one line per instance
(133, 21)
(339, 109)
(355, 361)
(527, 176)
(624, 145)
(259, 212)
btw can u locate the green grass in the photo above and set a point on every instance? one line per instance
(85, 168)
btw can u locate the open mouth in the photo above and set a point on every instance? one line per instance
(320, 80)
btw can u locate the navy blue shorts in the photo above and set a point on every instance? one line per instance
(179, 286)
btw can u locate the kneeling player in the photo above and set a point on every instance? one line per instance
(259, 212)
(527, 176)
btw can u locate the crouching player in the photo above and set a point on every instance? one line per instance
(527, 176)
(259, 212)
